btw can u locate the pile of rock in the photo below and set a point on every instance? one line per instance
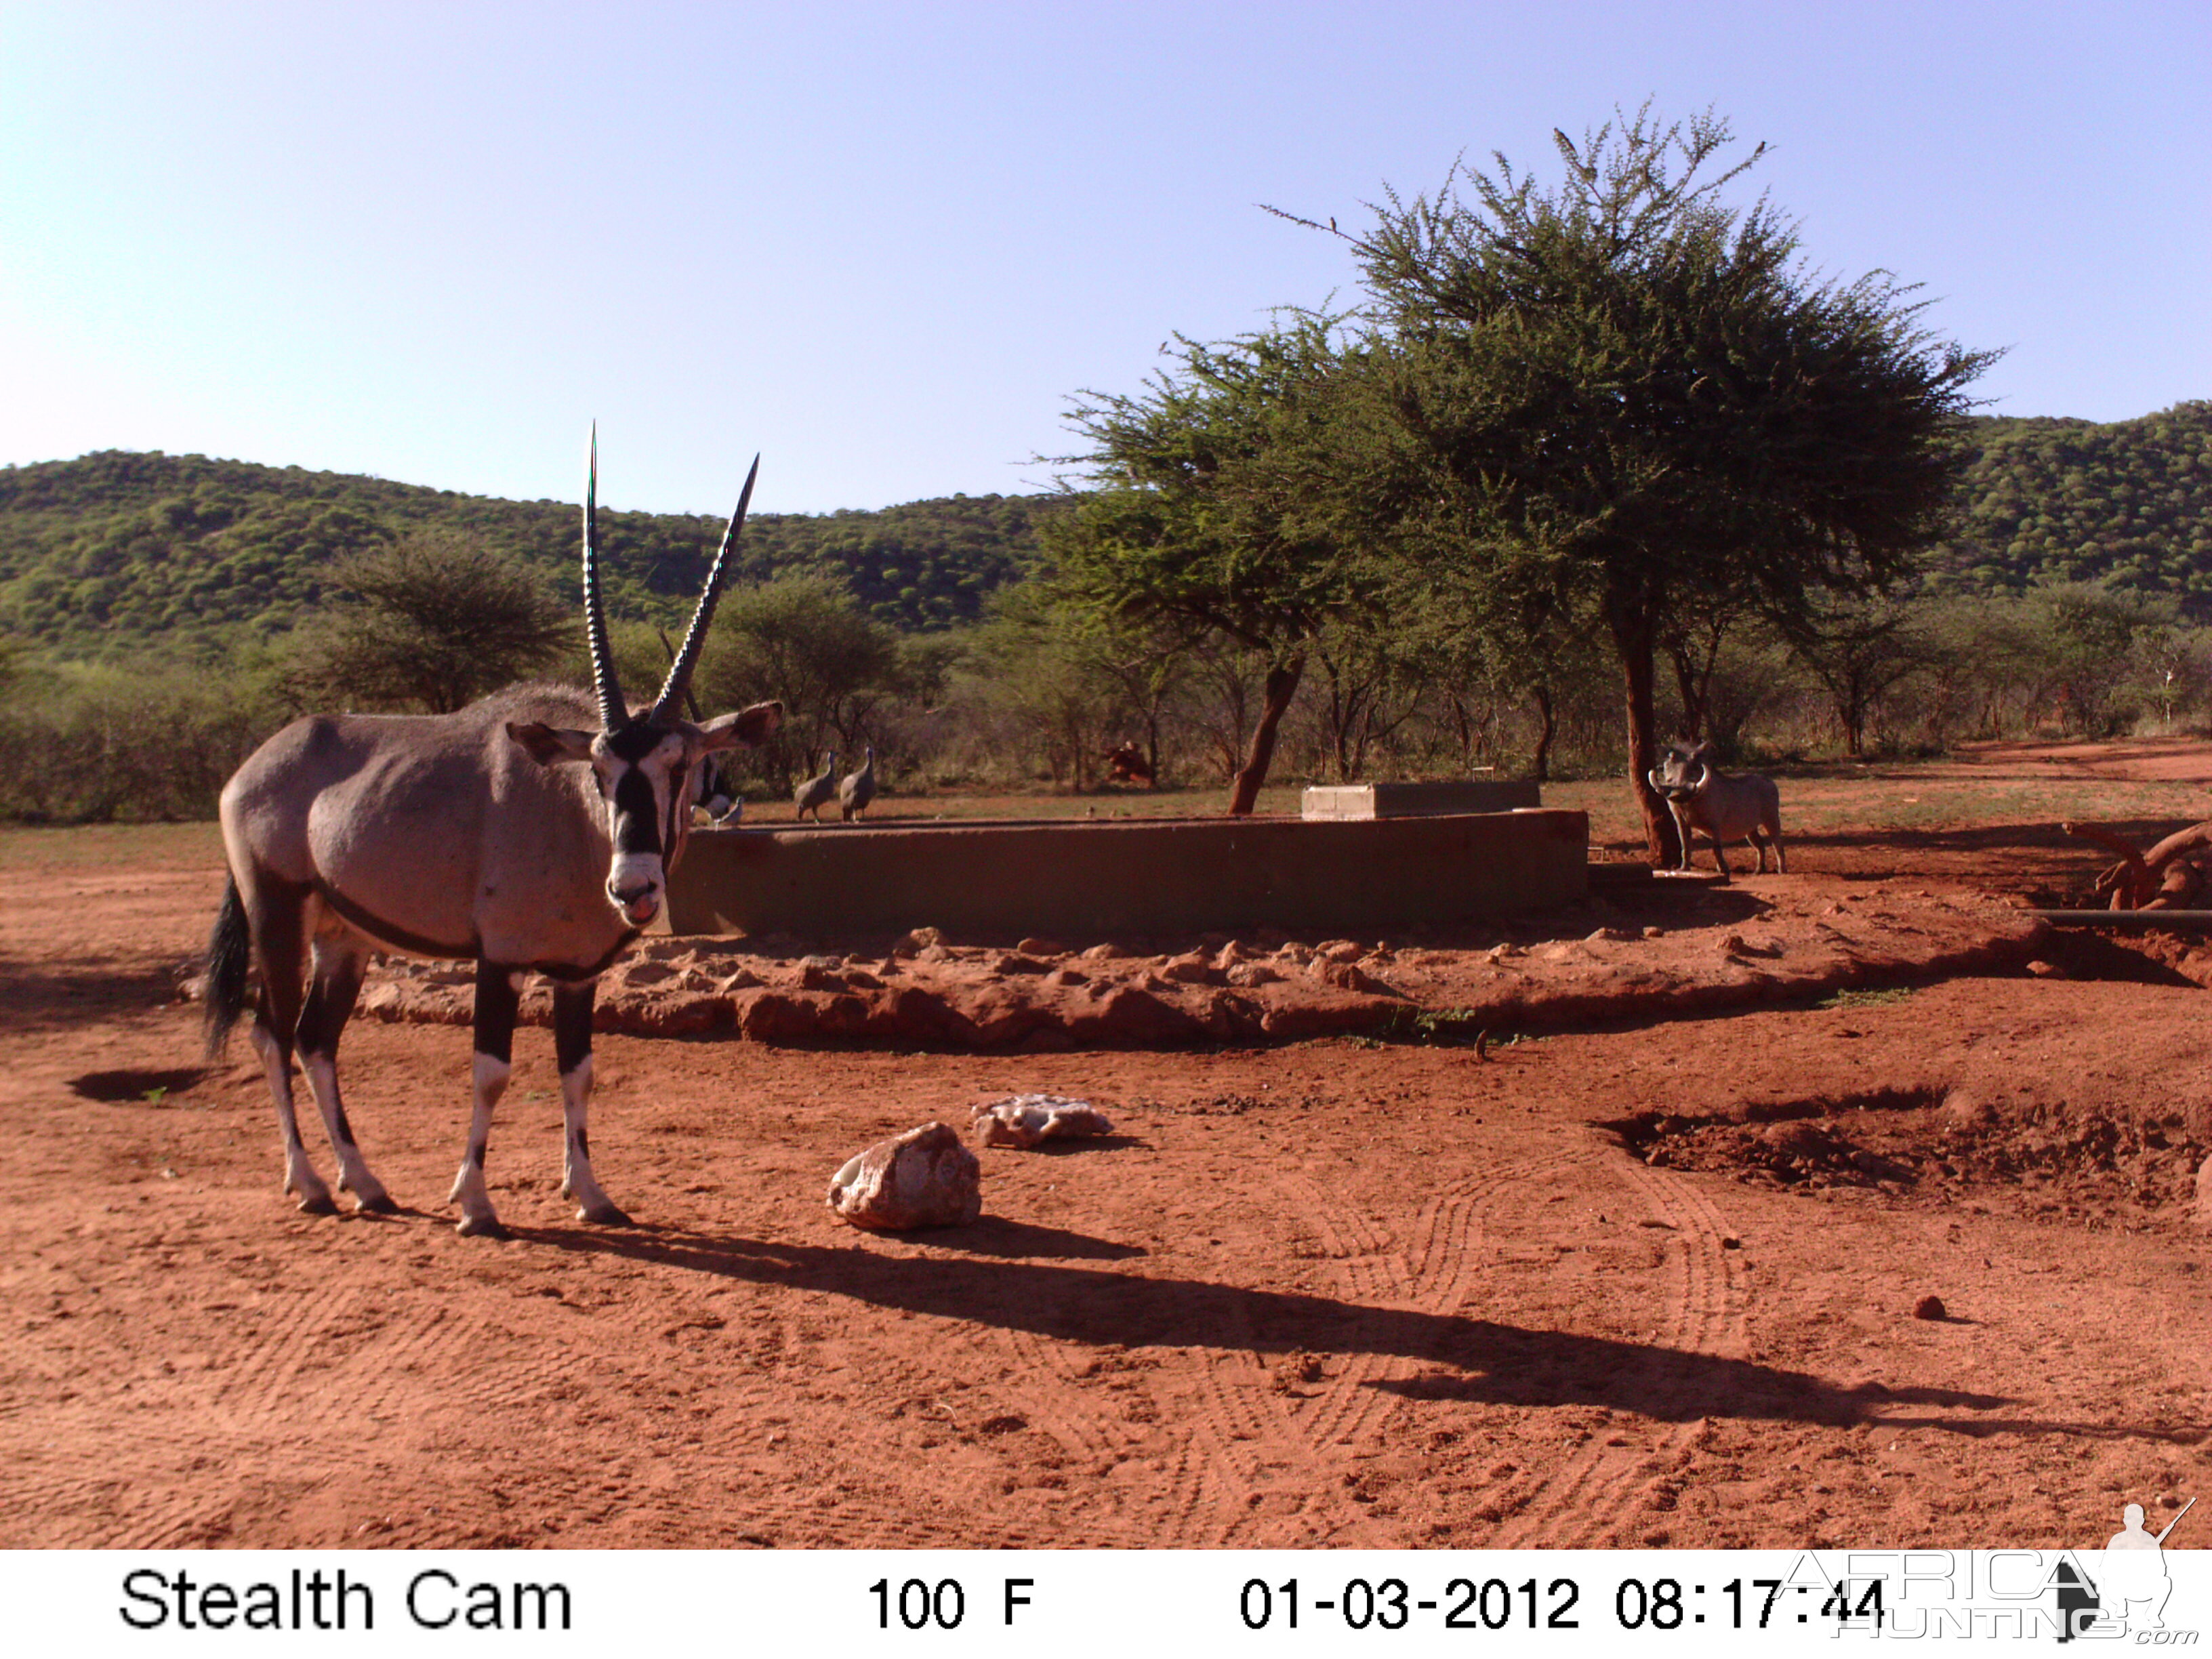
(927, 1177)
(1594, 962)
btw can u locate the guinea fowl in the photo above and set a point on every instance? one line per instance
(854, 793)
(818, 791)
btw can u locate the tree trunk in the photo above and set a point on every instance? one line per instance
(1548, 719)
(1685, 688)
(1632, 635)
(1463, 725)
(1345, 701)
(1282, 686)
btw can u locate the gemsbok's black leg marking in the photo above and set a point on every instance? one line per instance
(572, 1046)
(498, 996)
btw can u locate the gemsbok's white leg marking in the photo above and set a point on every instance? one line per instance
(577, 1181)
(353, 1169)
(300, 1176)
(470, 1192)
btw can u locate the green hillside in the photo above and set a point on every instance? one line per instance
(115, 548)
(100, 553)
(2069, 501)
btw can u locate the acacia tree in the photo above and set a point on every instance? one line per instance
(1146, 662)
(2093, 637)
(1483, 629)
(432, 622)
(1202, 515)
(1860, 650)
(1696, 629)
(1371, 682)
(1634, 394)
(804, 640)
(1041, 672)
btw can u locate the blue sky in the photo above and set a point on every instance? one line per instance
(882, 244)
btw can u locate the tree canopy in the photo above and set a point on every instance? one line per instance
(1204, 512)
(428, 623)
(1632, 391)
(804, 641)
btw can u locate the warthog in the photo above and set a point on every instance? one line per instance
(1726, 805)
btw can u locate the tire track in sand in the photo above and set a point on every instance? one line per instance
(1606, 1494)
(247, 1424)
(1268, 1438)
(1058, 1388)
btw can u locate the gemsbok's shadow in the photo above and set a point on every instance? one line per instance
(1463, 1358)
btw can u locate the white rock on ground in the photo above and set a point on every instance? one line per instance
(1025, 1120)
(926, 1177)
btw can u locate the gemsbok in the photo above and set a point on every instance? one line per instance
(531, 832)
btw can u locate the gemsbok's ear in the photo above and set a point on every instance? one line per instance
(549, 745)
(753, 726)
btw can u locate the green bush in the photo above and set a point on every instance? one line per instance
(102, 744)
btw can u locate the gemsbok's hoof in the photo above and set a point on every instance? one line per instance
(381, 1204)
(480, 1226)
(603, 1214)
(318, 1204)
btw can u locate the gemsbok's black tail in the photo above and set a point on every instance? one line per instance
(228, 967)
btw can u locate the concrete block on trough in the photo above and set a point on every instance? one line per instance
(1360, 801)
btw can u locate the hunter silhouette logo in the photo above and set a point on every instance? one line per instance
(2126, 1585)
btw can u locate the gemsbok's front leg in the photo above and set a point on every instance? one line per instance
(572, 1046)
(497, 998)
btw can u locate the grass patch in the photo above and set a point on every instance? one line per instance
(1440, 1028)
(1867, 999)
(88, 846)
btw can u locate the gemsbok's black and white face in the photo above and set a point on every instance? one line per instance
(643, 776)
(647, 773)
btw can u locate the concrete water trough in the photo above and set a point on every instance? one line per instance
(1091, 880)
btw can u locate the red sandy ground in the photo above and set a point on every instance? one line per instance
(1637, 1280)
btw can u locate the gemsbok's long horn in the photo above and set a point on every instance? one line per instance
(694, 638)
(690, 697)
(614, 713)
